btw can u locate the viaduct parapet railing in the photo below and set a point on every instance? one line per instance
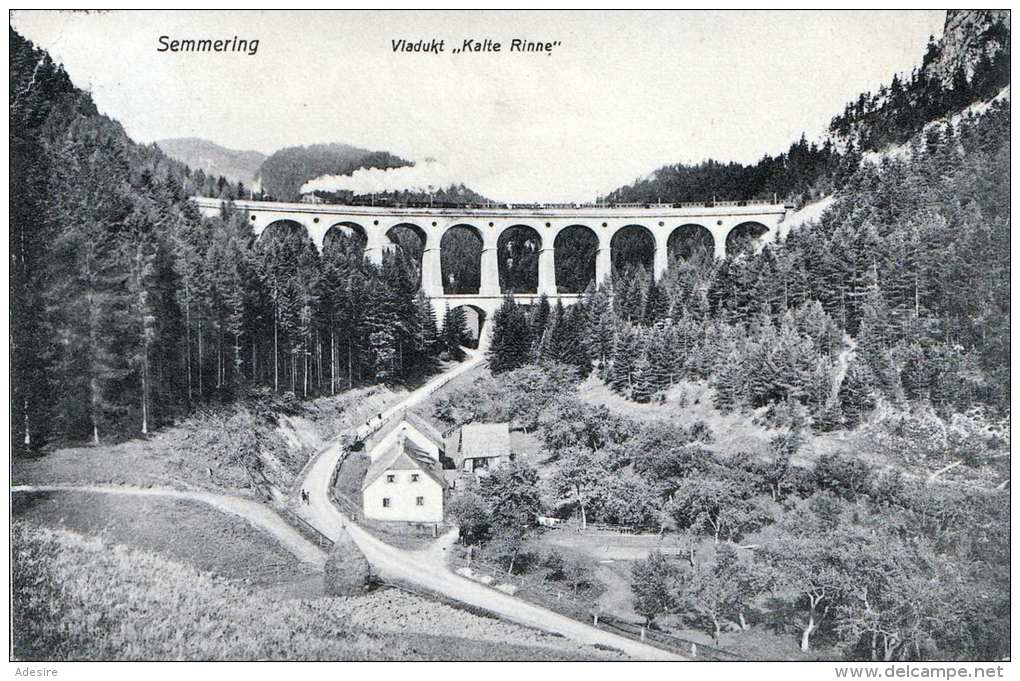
(718, 218)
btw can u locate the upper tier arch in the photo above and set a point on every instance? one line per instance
(489, 222)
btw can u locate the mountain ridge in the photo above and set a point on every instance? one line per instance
(236, 165)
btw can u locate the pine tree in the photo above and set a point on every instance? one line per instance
(511, 341)
(729, 382)
(661, 362)
(566, 339)
(600, 320)
(88, 302)
(644, 386)
(626, 349)
(538, 322)
(656, 304)
(428, 333)
(141, 284)
(857, 392)
(455, 334)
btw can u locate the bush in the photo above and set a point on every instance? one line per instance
(347, 572)
(844, 476)
(555, 563)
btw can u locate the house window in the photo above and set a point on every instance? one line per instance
(414, 477)
(419, 501)
(386, 502)
(391, 478)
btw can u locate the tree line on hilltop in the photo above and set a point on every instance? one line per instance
(911, 269)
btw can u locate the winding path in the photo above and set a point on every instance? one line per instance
(427, 569)
(257, 514)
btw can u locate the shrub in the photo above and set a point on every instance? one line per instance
(555, 563)
(347, 572)
(844, 476)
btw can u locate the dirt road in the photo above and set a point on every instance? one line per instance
(428, 570)
(257, 514)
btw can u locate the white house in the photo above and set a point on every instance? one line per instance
(422, 434)
(480, 447)
(404, 484)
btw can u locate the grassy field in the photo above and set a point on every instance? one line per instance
(198, 452)
(84, 599)
(616, 555)
(184, 531)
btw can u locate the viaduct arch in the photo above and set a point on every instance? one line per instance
(730, 227)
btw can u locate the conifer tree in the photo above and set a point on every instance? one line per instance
(857, 392)
(455, 333)
(428, 333)
(538, 321)
(511, 341)
(599, 324)
(566, 339)
(661, 362)
(729, 381)
(644, 385)
(626, 350)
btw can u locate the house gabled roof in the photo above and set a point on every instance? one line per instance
(483, 440)
(394, 421)
(404, 456)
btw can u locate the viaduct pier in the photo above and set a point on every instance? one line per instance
(375, 224)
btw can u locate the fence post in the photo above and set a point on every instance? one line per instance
(642, 632)
(694, 650)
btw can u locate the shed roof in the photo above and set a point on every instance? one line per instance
(484, 440)
(394, 421)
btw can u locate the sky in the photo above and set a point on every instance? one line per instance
(622, 94)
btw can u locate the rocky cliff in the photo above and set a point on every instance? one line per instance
(968, 36)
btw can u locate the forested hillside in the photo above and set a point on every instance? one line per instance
(804, 172)
(129, 309)
(912, 263)
(285, 171)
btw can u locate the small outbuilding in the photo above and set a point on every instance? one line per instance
(481, 447)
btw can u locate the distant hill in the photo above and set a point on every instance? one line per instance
(283, 173)
(212, 159)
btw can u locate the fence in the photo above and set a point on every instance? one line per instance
(569, 605)
(575, 526)
(342, 501)
(308, 531)
(678, 644)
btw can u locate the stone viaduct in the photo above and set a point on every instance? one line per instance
(660, 221)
